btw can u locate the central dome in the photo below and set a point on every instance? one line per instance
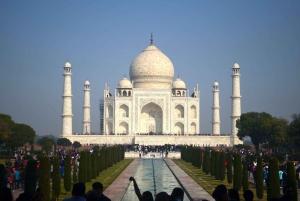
(152, 69)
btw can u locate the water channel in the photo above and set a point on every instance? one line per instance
(163, 179)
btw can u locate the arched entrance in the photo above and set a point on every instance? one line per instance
(179, 128)
(123, 128)
(151, 119)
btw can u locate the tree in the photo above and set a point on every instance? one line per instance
(56, 179)
(217, 165)
(76, 144)
(3, 182)
(212, 163)
(89, 167)
(44, 140)
(82, 174)
(75, 179)
(31, 177)
(252, 124)
(47, 147)
(291, 180)
(22, 133)
(259, 178)
(278, 129)
(6, 127)
(44, 177)
(237, 177)
(294, 131)
(273, 190)
(94, 165)
(245, 177)
(200, 158)
(63, 142)
(229, 168)
(67, 178)
(222, 166)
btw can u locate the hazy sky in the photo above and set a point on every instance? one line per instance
(102, 38)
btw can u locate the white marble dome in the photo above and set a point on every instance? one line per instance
(216, 84)
(178, 84)
(67, 64)
(87, 82)
(151, 69)
(124, 83)
(236, 65)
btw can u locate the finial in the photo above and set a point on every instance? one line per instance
(151, 40)
(178, 75)
(124, 75)
(67, 60)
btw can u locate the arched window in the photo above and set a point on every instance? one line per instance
(124, 93)
(109, 111)
(193, 113)
(179, 111)
(123, 111)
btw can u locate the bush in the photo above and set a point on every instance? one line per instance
(245, 177)
(75, 179)
(229, 168)
(237, 177)
(273, 190)
(259, 178)
(291, 174)
(89, 167)
(82, 174)
(94, 165)
(217, 165)
(200, 158)
(67, 178)
(212, 163)
(222, 166)
(55, 179)
(44, 177)
(31, 177)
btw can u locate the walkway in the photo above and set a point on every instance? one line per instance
(116, 190)
(193, 188)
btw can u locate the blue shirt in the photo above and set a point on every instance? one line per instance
(280, 174)
(17, 174)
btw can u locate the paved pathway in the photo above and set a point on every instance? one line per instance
(116, 190)
(195, 191)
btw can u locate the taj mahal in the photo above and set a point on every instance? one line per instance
(150, 108)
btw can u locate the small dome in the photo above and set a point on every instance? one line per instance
(235, 65)
(87, 83)
(67, 64)
(216, 84)
(125, 83)
(178, 84)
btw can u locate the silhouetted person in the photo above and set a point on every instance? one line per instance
(147, 195)
(77, 193)
(248, 195)
(97, 186)
(220, 193)
(287, 194)
(233, 195)
(91, 195)
(162, 196)
(38, 196)
(177, 194)
(5, 194)
(24, 197)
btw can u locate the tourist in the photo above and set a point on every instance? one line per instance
(220, 193)
(280, 177)
(17, 177)
(5, 194)
(233, 195)
(147, 195)
(77, 193)
(248, 195)
(38, 196)
(91, 195)
(97, 186)
(177, 194)
(24, 197)
(162, 196)
(287, 194)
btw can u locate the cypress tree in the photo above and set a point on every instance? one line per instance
(212, 163)
(273, 190)
(56, 179)
(67, 178)
(200, 158)
(44, 177)
(75, 179)
(245, 177)
(54, 149)
(259, 178)
(31, 177)
(208, 162)
(237, 177)
(89, 167)
(94, 165)
(32, 150)
(217, 165)
(82, 174)
(3, 183)
(291, 179)
(204, 162)
(229, 168)
(222, 166)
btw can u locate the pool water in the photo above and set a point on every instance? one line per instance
(163, 179)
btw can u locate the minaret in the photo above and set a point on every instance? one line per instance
(216, 110)
(67, 102)
(86, 123)
(236, 104)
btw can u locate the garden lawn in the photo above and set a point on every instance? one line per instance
(208, 182)
(2, 161)
(106, 177)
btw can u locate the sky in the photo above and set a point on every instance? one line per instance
(100, 39)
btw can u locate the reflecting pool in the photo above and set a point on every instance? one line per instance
(163, 179)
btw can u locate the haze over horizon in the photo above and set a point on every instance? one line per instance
(101, 39)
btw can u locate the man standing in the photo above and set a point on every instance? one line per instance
(97, 186)
(77, 193)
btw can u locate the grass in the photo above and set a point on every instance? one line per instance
(106, 177)
(208, 182)
(2, 161)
